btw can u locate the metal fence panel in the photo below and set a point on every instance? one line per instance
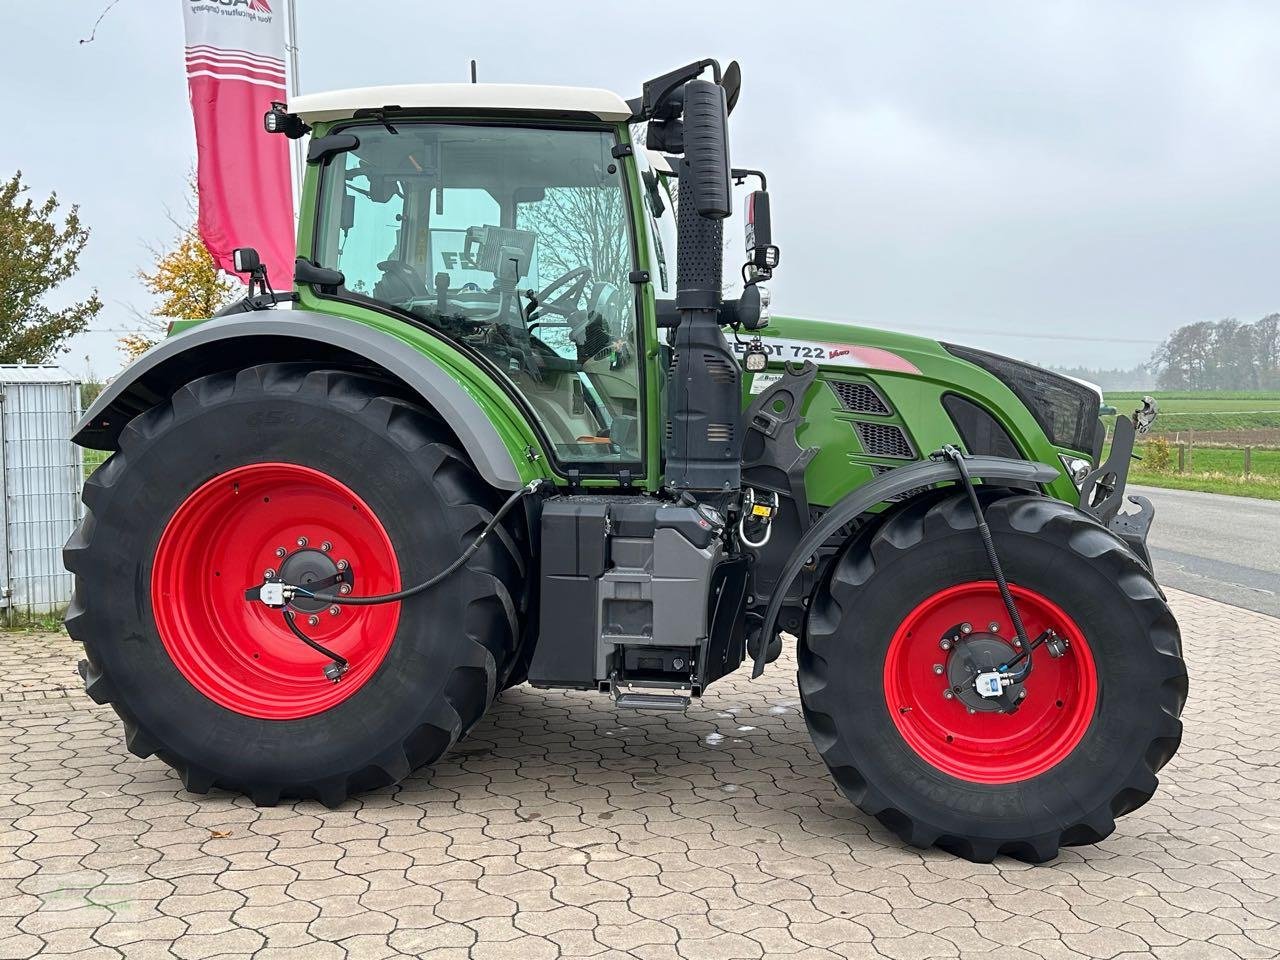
(41, 478)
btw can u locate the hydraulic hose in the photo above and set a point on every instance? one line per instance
(988, 544)
(444, 574)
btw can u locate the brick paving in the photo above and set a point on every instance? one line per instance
(562, 828)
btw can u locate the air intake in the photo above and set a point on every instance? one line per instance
(859, 397)
(884, 440)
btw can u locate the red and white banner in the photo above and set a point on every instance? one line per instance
(235, 69)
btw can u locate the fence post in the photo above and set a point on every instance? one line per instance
(1248, 460)
(1182, 457)
(1191, 448)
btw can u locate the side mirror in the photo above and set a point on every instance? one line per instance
(761, 252)
(704, 171)
(246, 260)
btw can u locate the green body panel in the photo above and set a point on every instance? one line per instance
(840, 465)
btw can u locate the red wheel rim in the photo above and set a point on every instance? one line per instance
(221, 541)
(1061, 694)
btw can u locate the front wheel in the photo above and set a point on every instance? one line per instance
(907, 618)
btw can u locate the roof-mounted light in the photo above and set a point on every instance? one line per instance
(279, 120)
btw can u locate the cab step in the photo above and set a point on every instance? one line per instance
(651, 695)
(651, 701)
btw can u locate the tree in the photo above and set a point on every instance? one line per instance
(1221, 355)
(581, 227)
(36, 256)
(186, 283)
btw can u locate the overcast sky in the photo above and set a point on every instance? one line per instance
(1065, 182)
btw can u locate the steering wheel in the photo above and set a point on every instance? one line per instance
(402, 278)
(567, 303)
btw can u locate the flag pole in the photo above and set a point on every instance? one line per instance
(292, 44)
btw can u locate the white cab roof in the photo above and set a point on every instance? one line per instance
(517, 97)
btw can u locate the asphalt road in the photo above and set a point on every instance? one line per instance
(1226, 548)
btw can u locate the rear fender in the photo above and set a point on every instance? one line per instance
(894, 483)
(243, 340)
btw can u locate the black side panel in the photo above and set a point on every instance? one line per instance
(573, 558)
(726, 645)
(980, 432)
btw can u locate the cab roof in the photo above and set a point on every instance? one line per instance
(513, 97)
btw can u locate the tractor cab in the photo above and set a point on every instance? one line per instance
(514, 240)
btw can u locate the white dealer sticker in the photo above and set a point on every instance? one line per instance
(762, 381)
(826, 354)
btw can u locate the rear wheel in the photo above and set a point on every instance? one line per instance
(301, 472)
(909, 615)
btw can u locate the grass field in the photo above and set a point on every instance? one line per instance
(1234, 418)
(1207, 410)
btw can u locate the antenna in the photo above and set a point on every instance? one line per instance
(473, 71)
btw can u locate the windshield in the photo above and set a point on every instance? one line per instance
(513, 240)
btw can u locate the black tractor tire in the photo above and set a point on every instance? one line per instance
(452, 646)
(928, 546)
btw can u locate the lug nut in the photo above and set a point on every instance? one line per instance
(993, 627)
(344, 589)
(944, 643)
(335, 610)
(302, 541)
(268, 573)
(971, 710)
(342, 564)
(937, 668)
(326, 546)
(947, 694)
(313, 620)
(281, 552)
(966, 628)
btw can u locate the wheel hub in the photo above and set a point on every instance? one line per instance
(308, 566)
(980, 653)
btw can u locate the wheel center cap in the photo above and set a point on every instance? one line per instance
(981, 653)
(308, 566)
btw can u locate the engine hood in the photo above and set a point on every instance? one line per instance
(834, 345)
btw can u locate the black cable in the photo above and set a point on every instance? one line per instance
(448, 571)
(1037, 642)
(319, 648)
(988, 544)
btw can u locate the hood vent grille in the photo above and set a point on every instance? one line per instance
(884, 440)
(859, 397)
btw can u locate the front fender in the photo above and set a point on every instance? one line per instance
(895, 482)
(245, 339)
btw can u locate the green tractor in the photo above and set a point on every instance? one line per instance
(500, 436)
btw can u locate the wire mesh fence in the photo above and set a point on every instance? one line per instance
(41, 477)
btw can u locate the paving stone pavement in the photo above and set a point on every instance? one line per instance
(562, 828)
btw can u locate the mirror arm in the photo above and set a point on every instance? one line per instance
(656, 91)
